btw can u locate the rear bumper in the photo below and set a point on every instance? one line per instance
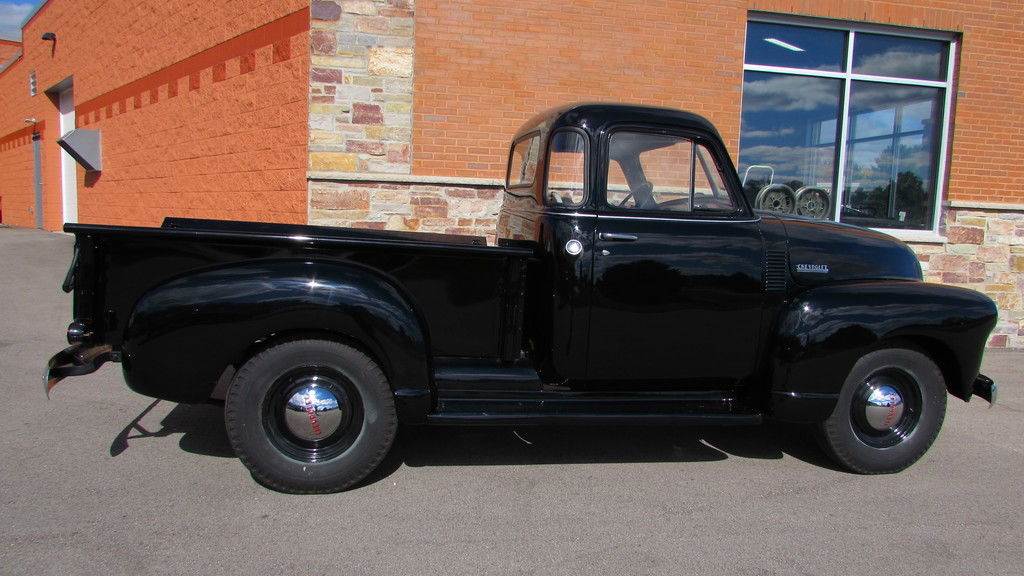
(985, 388)
(74, 360)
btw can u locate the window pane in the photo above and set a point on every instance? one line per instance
(566, 170)
(709, 191)
(892, 155)
(882, 55)
(649, 171)
(524, 162)
(795, 46)
(663, 172)
(788, 141)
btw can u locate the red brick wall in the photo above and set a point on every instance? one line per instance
(484, 66)
(202, 107)
(8, 49)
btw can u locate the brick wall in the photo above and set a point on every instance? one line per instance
(484, 66)
(8, 50)
(202, 107)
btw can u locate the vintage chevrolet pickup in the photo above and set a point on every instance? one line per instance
(631, 283)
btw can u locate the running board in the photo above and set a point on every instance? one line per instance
(576, 419)
(554, 407)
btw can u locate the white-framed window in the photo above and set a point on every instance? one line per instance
(847, 121)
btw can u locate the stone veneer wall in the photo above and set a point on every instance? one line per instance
(984, 252)
(468, 209)
(361, 64)
(360, 129)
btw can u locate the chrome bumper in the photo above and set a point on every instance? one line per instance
(74, 361)
(985, 388)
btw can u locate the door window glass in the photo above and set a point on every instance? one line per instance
(665, 173)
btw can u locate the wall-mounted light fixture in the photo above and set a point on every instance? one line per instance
(51, 37)
(35, 132)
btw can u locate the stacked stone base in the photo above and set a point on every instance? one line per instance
(466, 209)
(984, 252)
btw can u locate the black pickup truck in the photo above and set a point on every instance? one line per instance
(631, 283)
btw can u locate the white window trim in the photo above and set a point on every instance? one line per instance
(848, 77)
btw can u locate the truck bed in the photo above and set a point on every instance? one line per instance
(458, 284)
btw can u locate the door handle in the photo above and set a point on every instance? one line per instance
(615, 237)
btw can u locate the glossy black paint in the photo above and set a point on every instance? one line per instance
(720, 317)
(185, 303)
(253, 302)
(824, 330)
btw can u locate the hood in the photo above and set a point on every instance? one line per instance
(822, 252)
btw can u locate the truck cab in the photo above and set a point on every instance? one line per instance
(631, 283)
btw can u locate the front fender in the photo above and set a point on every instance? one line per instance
(182, 334)
(822, 332)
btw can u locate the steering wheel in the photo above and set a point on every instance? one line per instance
(624, 200)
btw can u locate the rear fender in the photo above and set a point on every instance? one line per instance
(183, 334)
(822, 332)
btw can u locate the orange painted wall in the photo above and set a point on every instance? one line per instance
(484, 66)
(202, 108)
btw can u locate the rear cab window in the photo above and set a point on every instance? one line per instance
(522, 165)
(566, 184)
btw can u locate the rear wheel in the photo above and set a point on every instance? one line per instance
(889, 412)
(310, 416)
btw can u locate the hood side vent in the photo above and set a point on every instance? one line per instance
(776, 270)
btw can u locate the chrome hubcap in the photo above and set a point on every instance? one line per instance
(886, 408)
(883, 408)
(313, 413)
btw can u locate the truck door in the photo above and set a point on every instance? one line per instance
(677, 288)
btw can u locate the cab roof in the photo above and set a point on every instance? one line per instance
(595, 117)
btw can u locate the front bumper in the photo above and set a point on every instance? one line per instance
(74, 360)
(985, 388)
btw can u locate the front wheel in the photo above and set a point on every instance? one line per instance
(310, 416)
(889, 412)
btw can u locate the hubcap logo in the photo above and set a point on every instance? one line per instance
(314, 422)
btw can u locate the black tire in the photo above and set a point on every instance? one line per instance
(857, 446)
(281, 460)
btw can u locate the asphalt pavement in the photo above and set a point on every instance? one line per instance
(99, 480)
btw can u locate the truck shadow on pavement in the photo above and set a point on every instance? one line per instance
(201, 430)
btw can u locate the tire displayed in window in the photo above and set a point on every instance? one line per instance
(889, 412)
(776, 198)
(310, 416)
(813, 202)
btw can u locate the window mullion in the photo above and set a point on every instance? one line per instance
(844, 119)
(940, 179)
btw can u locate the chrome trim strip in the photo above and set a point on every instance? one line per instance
(619, 217)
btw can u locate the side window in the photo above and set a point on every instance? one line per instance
(710, 192)
(523, 163)
(567, 169)
(664, 172)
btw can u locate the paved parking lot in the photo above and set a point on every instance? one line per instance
(102, 481)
